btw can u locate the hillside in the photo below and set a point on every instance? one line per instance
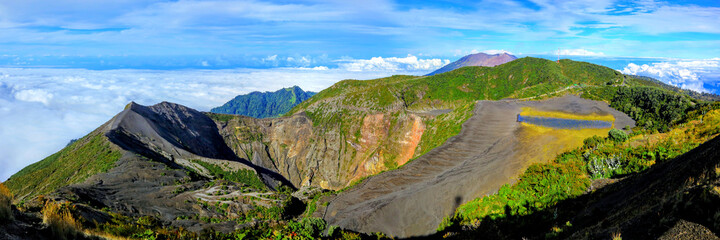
(676, 198)
(330, 157)
(264, 104)
(476, 60)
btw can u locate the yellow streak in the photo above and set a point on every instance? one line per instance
(542, 144)
(528, 111)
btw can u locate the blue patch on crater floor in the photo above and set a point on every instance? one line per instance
(563, 123)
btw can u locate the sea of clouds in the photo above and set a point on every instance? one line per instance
(42, 109)
(699, 75)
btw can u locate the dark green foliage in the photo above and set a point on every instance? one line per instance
(244, 176)
(307, 227)
(617, 135)
(652, 108)
(220, 117)
(264, 105)
(88, 156)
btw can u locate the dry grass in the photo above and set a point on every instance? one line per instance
(61, 221)
(543, 144)
(528, 111)
(6, 198)
(103, 235)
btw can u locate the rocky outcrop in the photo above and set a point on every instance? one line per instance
(171, 130)
(309, 155)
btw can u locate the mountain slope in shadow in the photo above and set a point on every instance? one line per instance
(676, 199)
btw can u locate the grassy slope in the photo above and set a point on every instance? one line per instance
(343, 105)
(88, 156)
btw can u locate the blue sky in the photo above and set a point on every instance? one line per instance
(227, 34)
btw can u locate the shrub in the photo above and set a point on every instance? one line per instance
(618, 135)
(308, 227)
(6, 198)
(593, 141)
(60, 221)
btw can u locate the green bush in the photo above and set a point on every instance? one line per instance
(593, 141)
(243, 176)
(618, 135)
(307, 227)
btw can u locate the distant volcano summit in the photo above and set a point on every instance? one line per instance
(478, 59)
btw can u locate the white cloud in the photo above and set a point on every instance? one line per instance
(392, 64)
(494, 51)
(318, 68)
(698, 75)
(42, 109)
(271, 58)
(578, 52)
(34, 95)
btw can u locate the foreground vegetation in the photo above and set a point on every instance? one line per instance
(243, 176)
(667, 128)
(6, 198)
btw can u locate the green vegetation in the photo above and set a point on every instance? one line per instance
(88, 156)
(542, 186)
(302, 229)
(652, 108)
(618, 135)
(439, 129)
(61, 221)
(264, 105)
(6, 198)
(525, 77)
(244, 176)
(220, 117)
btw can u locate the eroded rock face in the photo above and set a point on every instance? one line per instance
(314, 156)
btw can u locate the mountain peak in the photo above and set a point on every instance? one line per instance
(265, 104)
(477, 59)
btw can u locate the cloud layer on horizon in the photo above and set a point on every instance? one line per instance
(697, 75)
(42, 109)
(392, 64)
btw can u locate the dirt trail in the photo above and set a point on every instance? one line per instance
(412, 200)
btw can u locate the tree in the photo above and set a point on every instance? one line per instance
(618, 135)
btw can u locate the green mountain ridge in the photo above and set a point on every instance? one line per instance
(264, 104)
(330, 141)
